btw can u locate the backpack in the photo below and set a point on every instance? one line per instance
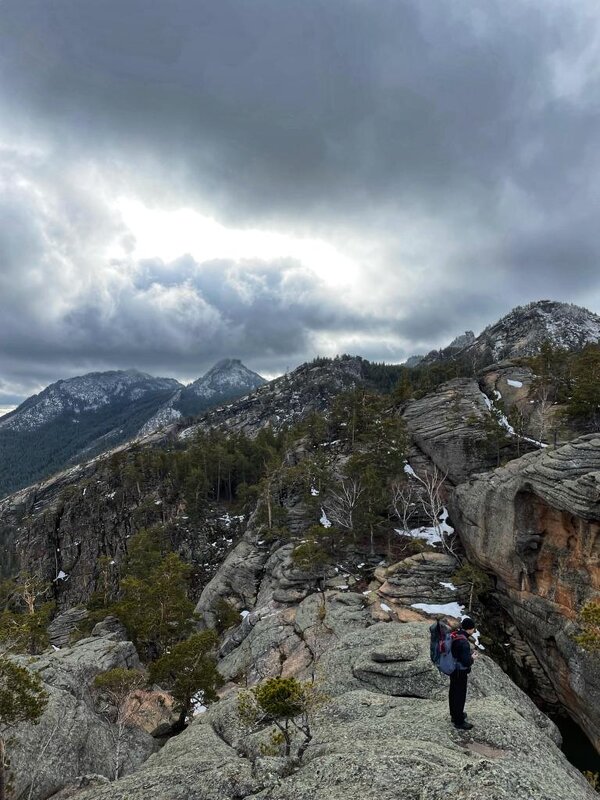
(441, 647)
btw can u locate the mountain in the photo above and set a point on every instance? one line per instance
(358, 617)
(75, 419)
(522, 332)
(227, 380)
(290, 398)
(79, 418)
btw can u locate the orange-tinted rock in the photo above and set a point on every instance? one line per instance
(535, 524)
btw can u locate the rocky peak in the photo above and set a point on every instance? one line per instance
(229, 374)
(525, 328)
(468, 337)
(288, 399)
(523, 331)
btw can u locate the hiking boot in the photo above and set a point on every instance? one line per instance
(463, 726)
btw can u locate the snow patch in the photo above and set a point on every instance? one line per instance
(451, 609)
(448, 585)
(432, 535)
(516, 384)
(324, 521)
(409, 470)
(385, 607)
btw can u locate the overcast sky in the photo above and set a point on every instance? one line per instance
(182, 180)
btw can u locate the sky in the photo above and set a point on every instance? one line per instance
(183, 181)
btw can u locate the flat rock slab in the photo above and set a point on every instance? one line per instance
(371, 743)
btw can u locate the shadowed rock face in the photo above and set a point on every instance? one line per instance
(536, 525)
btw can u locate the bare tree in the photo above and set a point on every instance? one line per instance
(432, 504)
(543, 410)
(342, 504)
(404, 502)
(120, 697)
(30, 589)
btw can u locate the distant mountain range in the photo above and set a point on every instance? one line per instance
(76, 419)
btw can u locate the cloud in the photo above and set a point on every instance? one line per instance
(448, 150)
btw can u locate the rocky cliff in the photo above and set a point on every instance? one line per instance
(535, 524)
(446, 426)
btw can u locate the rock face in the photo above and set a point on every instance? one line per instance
(384, 733)
(535, 524)
(444, 426)
(421, 578)
(64, 626)
(72, 740)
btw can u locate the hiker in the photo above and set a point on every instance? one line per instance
(463, 657)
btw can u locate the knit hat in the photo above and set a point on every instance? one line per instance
(467, 624)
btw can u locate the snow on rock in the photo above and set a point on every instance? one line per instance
(429, 535)
(448, 585)
(451, 609)
(314, 492)
(516, 384)
(506, 424)
(433, 535)
(409, 470)
(62, 576)
(324, 521)
(384, 607)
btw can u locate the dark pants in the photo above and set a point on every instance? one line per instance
(458, 695)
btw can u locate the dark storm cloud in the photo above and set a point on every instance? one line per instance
(280, 108)
(456, 141)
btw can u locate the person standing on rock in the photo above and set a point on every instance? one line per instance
(461, 652)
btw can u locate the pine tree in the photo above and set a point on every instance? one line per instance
(189, 670)
(22, 699)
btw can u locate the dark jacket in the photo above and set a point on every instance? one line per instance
(462, 651)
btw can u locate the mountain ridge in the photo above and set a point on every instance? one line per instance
(75, 419)
(522, 331)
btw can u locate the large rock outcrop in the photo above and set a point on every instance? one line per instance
(384, 733)
(72, 739)
(447, 426)
(535, 524)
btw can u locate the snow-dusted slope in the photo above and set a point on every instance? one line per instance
(228, 380)
(75, 419)
(225, 378)
(288, 399)
(523, 331)
(87, 393)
